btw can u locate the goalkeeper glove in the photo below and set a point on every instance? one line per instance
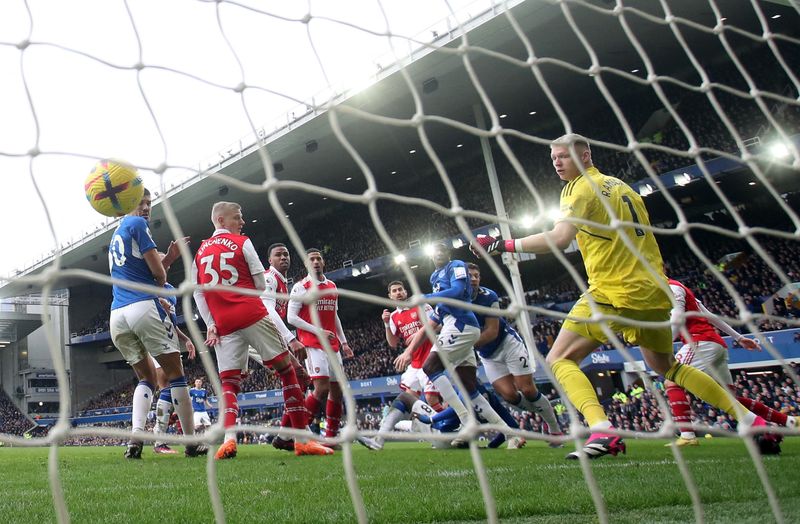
(493, 245)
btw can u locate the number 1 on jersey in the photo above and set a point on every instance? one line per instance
(634, 216)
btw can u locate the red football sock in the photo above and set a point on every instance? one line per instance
(763, 411)
(679, 405)
(293, 403)
(302, 377)
(313, 406)
(231, 386)
(333, 416)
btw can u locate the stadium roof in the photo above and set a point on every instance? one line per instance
(308, 151)
(16, 326)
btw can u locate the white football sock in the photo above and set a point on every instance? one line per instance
(542, 407)
(142, 399)
(389, 421)
(403, 425)
(486, 411)
(601, 426)
(450, 396)
(183, 407)
(163, 411)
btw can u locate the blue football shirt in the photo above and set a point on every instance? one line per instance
(488, 298)
(198, 399)
(453, 276)
(130, 242)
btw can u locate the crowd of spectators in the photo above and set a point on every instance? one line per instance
(12, 421)
(406, 223)
(98, 323)
(640, 412)
(749, 274)
(633, 409)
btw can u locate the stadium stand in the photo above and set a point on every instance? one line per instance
(406, 224)
(12, 420)
(753, 280)
(772, 387)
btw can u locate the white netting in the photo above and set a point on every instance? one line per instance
(655, 87)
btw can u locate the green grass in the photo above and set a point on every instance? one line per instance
(404, 483)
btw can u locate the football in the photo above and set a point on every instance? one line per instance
(114, 188)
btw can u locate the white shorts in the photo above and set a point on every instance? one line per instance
(709, 357)
(201, 418)
(455, 344)
(232, 350)
(155, 362)
(141, 329)
(510, 358)
(317, 364)
(416, 381)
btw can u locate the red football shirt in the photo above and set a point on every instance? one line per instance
(326, 309)
(276, 283)
(699, 328)
(231, 260)
(404, 323)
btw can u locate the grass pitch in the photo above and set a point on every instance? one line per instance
(404, 483)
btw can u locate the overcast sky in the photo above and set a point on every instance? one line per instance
(85, 108)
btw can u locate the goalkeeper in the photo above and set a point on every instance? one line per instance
(621, 284)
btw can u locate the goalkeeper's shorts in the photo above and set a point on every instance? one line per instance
(658, 339)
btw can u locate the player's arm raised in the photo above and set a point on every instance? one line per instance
(749, 344)
(173, 252)
(562, 234)
(391, 338)
(458, 284)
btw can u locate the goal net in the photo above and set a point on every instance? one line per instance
(373, 131)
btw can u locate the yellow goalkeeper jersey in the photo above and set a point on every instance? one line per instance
(616, 276)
